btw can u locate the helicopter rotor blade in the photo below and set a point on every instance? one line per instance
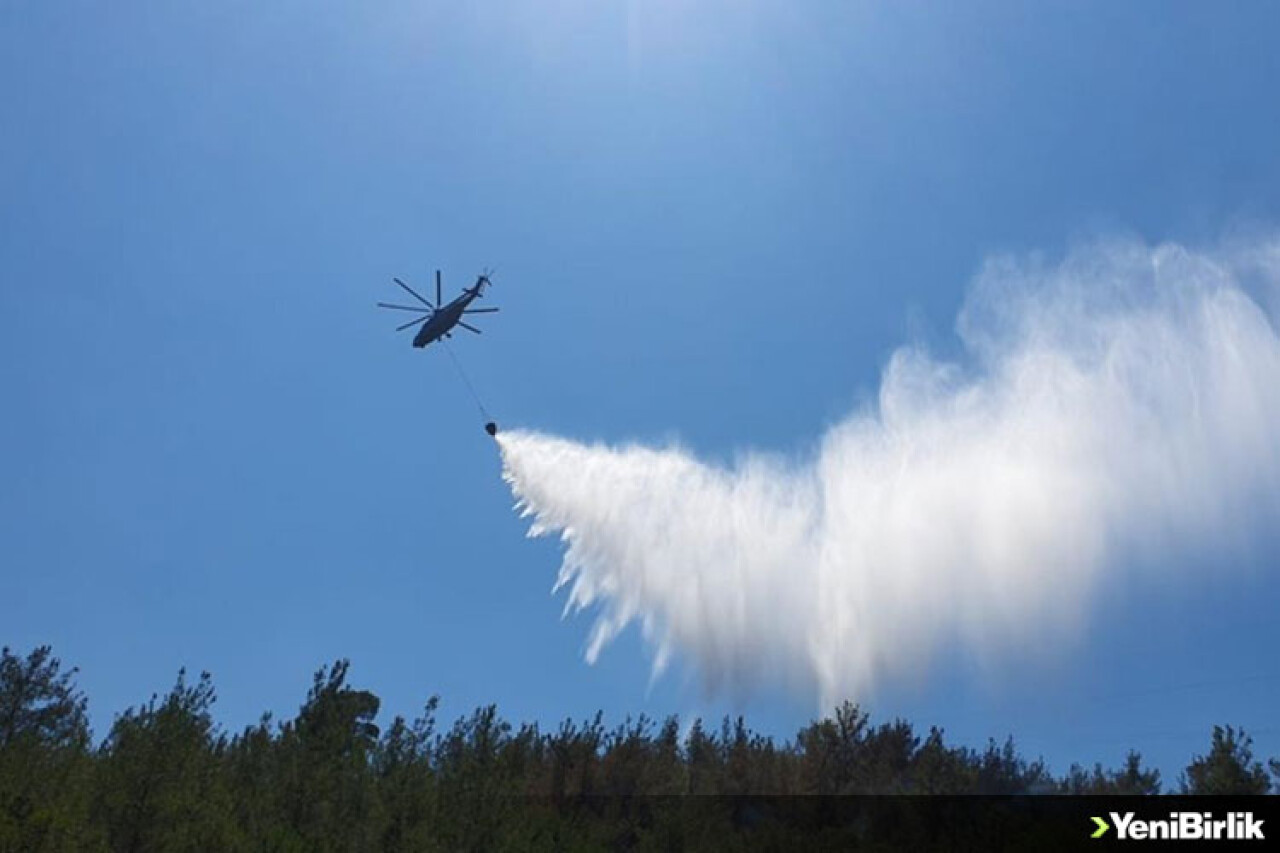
(414, 292)
(404, 307)
(468, 328)
(480, 311)
(413, 323)
(438, 297)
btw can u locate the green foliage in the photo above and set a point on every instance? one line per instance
(939, 769)
(39, 704)
(45, 767)
(407, 782)
(166, 778)
(1002, 771)
(1229, 767)
(1129, 779)
(325, 787)
(160, 783)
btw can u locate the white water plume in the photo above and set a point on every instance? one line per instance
(1115, 408)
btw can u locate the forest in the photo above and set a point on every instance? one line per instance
(167, 777)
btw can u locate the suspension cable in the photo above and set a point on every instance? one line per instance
(462, 374)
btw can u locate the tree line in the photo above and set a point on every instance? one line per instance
(168, 777)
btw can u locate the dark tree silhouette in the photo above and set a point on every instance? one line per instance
(167, 778)
(45, 767)
(160, 783)
(1229, 767)
(1129, 779)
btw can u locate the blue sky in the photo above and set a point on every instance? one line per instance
(710, 221)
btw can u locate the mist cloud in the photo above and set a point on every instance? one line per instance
(1109, 409)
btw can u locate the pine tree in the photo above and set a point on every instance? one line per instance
(1229, 767)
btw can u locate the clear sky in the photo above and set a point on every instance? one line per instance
(711, 221)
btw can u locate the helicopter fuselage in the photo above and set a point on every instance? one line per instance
(445, 318)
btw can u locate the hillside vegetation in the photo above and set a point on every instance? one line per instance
(167, 777)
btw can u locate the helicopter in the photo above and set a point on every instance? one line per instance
(439, 320)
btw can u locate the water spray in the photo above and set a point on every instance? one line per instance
(1122, 404)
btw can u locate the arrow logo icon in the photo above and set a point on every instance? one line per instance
(1102, 828)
